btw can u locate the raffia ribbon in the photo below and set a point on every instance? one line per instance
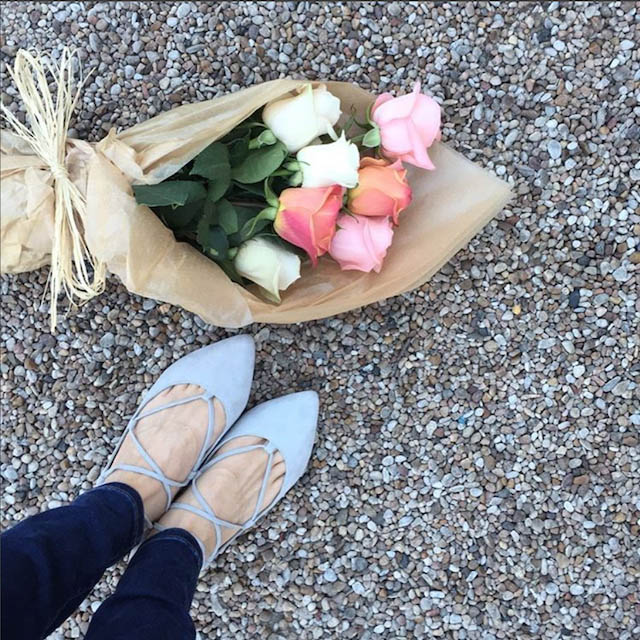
(74, 270)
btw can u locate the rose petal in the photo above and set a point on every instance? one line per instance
(396, 138)
(361, 243)
(398, 166)
(381, 99)
(419, 151)
(372, 249)
(372, 202)
(368, 161)
(298, 230)
(307, 199)
(427, 164)
(426, 117)
(397, 108)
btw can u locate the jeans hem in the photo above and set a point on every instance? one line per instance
(177, 534)
(134, 500)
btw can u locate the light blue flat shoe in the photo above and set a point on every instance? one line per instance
(288, 426)
(223, 370)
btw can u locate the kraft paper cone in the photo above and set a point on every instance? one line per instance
(450, 205)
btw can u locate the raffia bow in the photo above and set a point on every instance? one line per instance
(74, 270)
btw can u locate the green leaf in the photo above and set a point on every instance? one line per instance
(214, 242)
(218, 188)
(260, 164)
(250, 123)
(179, 217)
(245, 215)
(347, 125)
(173, 193)
(238, 150)
(252, 228)
(227, 217)
(257, 223)
(208, 218)
(293, 165)
(211, 237)
(371, 138)
(256, 189)
(213, 164)
(211, 161)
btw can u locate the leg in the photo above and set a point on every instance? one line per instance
(154, 594)
(52, 560)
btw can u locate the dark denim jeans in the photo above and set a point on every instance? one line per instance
(52, 560)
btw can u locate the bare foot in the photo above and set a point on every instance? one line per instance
(231, 487)
(173, 438)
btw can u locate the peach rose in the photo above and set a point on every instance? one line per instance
(307, 218)
(361, 242)
(383, 189)
(408, 126)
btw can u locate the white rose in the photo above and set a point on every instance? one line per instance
(268, 265)
(325, 164)
(298, 120)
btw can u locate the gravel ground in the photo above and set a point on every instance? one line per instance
(477, 471)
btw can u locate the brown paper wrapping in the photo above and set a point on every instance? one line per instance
(450, 205)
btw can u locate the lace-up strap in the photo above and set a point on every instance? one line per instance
(154, 471)
(204, 509)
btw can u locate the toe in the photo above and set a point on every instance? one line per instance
(220, 415)
(271, 492)
(160, 398)
(193, 389)
(180, 391)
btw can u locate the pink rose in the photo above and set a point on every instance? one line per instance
(361, 242)
(307, 218)
(383, 189)
(408, 126)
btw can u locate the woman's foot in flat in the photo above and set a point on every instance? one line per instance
(232, 488)
(173, 438)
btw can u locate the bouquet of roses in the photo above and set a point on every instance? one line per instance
(285, 183)
(194, 204)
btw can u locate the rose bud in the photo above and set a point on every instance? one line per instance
(383, 189)
(361, 242)
(306, 217)
(267, 264)
(408, 126)
(325, 164)
(297, 120)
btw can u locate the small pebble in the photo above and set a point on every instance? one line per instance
(184, 9)
(477, 462)
(554, 149)
(330, 575)
(621, 274)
